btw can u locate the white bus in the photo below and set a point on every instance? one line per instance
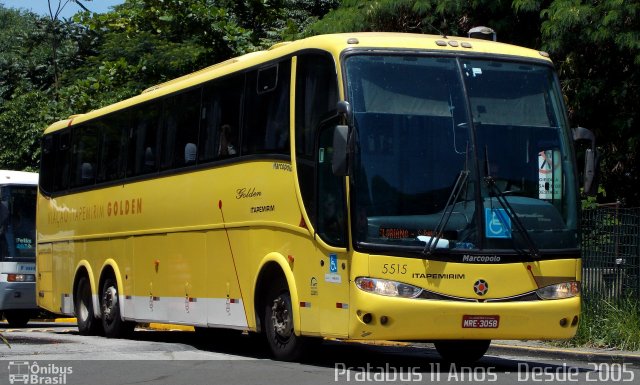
(17, 246)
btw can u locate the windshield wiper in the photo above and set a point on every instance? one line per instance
(491, 183)
(433, 242)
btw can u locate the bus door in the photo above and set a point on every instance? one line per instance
(331, 229)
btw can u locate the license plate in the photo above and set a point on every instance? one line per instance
(480, 321)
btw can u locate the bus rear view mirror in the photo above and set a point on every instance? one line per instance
(339, 163)
(590, 172)
(590, 184)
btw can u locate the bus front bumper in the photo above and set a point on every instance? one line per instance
(376, 317)
(17, 295)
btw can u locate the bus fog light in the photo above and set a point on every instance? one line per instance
(387, 288)
(559, 291)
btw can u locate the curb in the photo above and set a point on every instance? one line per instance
(65, 320)
(591, 355)
(153, 325)
(168, 327)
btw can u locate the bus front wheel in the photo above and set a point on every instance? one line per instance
(88, 324)
(278, 318)
(113, 324)
(463, 351)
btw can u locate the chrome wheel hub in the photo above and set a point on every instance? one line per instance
(281, 318)
(109, 302)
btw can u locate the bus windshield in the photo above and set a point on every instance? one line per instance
(473, 152)
(17, 222)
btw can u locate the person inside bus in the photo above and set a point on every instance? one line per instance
(225, 144)
(190, 152)
(332, 219)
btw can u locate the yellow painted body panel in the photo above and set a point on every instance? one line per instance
(422, 319)
(433, 320)
(457, 279)
(168, 239)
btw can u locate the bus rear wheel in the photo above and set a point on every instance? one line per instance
(278, 319)
(88, 324)
(112, 323)
(463, 351)
(17, 318)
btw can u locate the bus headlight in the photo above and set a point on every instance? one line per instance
(560, 290)
(388, 288)
(21, 278)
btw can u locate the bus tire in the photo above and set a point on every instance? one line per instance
(462, 351)
(112, 323)
(17, 318)
(88, 323)
(278, 321)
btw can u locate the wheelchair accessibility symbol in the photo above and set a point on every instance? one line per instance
(497, 223)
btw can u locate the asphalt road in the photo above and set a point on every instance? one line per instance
(53, 353)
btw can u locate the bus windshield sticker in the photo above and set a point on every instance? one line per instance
(550, 174)
(497, 223)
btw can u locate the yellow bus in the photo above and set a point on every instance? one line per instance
(353, 186)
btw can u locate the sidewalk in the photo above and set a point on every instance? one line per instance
(541, 347)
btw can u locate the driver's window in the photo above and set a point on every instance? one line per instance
(332, 218)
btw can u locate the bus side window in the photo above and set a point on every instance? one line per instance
(181, 123)
(47, 162)
(266, 113)
(220, 119)
(62, 160)
(113, 145)
(84, 155)
(4, 223)
(143, 140)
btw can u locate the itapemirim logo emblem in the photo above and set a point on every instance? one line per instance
(481, 287)
(32, 373)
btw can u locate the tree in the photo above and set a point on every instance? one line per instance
(596, 45)
(55, 32)
(27, 96)
(449, 17)
(56, 68)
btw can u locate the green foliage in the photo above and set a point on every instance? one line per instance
(24, 58)
(608, 325)
(597, 49)
(23, 118)
(449, 17)
(52, 68)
